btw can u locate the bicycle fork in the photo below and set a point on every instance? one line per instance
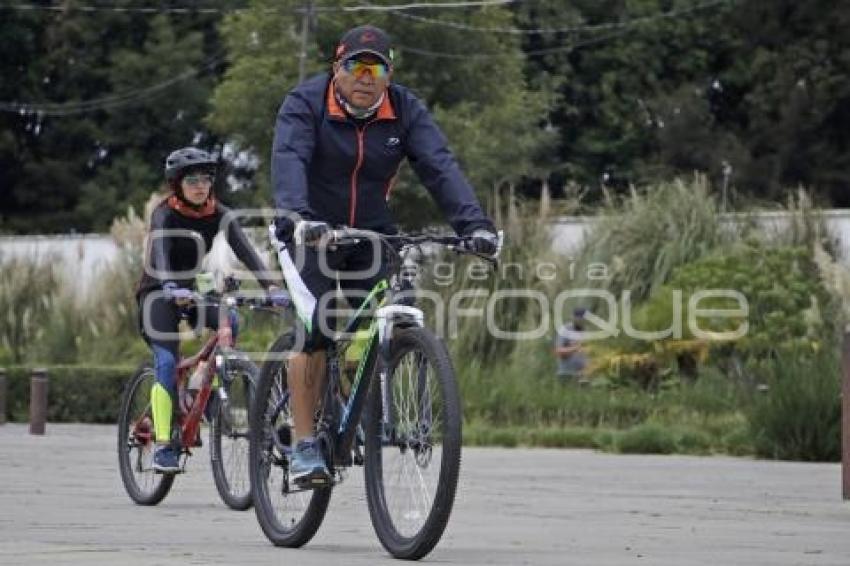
(388, 316)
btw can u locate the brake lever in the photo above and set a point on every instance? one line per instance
(460, 250)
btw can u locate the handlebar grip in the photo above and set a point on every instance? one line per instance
(179, 293)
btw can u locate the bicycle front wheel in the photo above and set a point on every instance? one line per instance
(412, 465)
(230, 435)
(288, 515)
(136, 442)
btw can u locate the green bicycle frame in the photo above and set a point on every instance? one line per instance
(365, 367)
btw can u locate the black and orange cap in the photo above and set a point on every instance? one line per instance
(365, 39)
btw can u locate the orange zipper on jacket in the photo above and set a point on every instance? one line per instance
(352, 207)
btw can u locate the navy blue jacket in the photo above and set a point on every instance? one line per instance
(327, 166)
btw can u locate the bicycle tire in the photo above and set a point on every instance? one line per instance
(130, 412)
(297, 531)
(416, 443)
(231, 421)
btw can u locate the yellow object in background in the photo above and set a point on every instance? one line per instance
(205, 283)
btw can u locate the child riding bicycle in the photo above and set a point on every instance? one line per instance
(182, 230)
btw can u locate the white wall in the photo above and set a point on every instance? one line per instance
(568, 232)
(83, 255)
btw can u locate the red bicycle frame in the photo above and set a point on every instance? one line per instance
(189, 422)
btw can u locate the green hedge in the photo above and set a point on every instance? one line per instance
(89, 394)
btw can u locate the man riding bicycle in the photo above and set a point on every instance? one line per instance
(339, 142)
(181, 234)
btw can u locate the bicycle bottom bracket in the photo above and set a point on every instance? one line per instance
(284, 435)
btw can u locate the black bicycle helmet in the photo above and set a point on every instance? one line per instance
(185, 158)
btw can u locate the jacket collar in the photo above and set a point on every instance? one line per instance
(179, 205)
(385, 110)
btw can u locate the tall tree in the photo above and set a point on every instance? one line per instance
(618, 62)
(656, 88)
(101, 96)
(793, 78)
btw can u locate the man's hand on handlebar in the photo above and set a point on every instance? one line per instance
(482, 242)
(310, 231)
(301, 232)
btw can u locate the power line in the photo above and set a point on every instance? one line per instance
(573, 29)
(619, 32)
(544, 51)
(136, 96)
(127, 98)
(415, 6)
(398, 8)
(126, 9)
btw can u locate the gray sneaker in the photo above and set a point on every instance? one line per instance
(307, 468)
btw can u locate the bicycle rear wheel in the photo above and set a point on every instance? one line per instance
(230, 435)
(412, 468)
(288, 516)
(136, 442)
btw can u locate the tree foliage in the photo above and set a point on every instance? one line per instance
(754, 94)
(100, 98)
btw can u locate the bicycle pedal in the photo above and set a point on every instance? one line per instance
(313, 481)
(357, 455)
(170, 472)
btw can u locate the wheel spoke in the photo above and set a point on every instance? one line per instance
(288, 504)
(135, 431)
(231, 439)
(410, 481)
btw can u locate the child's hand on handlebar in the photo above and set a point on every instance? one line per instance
(181, 297)
(278, 297)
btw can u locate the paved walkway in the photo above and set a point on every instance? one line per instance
(62, 502)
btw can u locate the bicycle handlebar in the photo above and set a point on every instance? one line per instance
(238, 301)
(456, 244)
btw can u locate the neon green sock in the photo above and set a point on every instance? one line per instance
(162, 407)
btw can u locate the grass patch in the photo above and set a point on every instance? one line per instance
(481, 434)
(649, 438)
(799, 416)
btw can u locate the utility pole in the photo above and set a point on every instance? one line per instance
(305, 32)
(727, 172)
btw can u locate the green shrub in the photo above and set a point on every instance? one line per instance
(783, 292)
(785, 300)
(572, 437)
(738, 441)
(481, 434)
(798, 417)
(648, 438)
(89, 394)
(693, 441)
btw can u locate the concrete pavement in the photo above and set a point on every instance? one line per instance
(62, 502)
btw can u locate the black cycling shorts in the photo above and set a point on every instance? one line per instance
(354, 269)
(159, 318)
